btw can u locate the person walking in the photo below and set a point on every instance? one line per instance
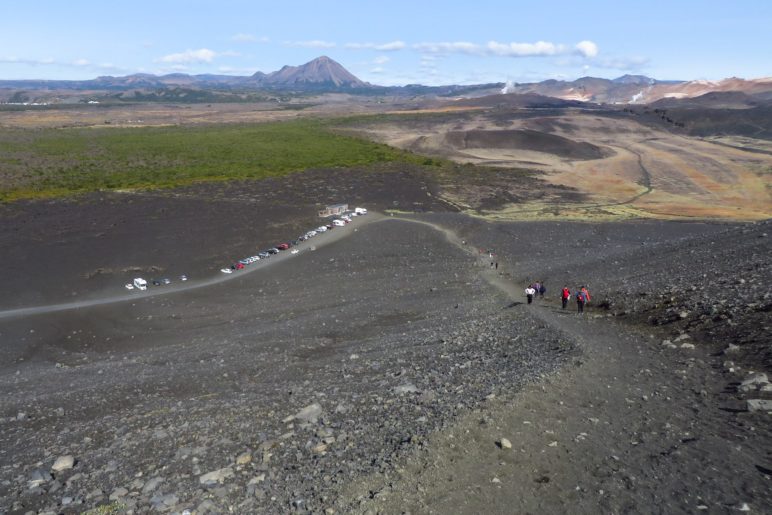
(580, 300)
(542, 290)
(529, 293)
(565, 296)
(586, 294)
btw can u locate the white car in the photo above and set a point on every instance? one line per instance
(140, 283)
(311, 234)
(226, 270)
(338, 223)
(129, 286)
(360, 210)
(294, 251)
(321, 228)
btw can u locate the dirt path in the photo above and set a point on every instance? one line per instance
(631, 428)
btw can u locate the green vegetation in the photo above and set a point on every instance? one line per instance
(57, 162)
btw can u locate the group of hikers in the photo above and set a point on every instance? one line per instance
(582, 294)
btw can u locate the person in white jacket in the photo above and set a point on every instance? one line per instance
(529, 293)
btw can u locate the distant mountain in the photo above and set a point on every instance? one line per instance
(639, 89)
(326, 75)
(321, 72)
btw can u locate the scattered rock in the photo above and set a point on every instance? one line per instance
(244, 458)
(63, 463)
(405, 388)
(152, 484)
(310, 413)
(505, 444)
(753, 383)
(118, 493)
(216, 476)
(759, 405)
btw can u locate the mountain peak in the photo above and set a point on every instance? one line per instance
(320, 72)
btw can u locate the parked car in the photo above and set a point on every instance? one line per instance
(166, 280)
(140, 283)
(156, 282)
(183, 277)
(283, 246)
(338, 223)
(360, 210)
(273, 250)
(226, 270)
(311, 234)
(321, 228)
(263, 255)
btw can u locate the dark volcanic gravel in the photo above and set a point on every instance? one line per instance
(283, 384)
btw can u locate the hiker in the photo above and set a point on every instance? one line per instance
(536, 286)
(530, 292)
(565, 296)
(497, 265)
(586, 294)
(542, 290)
(580, 300)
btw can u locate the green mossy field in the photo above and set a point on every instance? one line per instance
(43, 163)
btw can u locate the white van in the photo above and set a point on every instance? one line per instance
(360, 210)
(140, 283)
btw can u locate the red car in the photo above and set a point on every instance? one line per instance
(283, 246)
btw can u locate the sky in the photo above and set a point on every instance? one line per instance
(392, 42)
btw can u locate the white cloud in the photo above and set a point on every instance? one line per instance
(453, 47)
(587, 48)
(81, 62)
(514, 49)
(381, 59)
(244, 38)
(202, 55)
(314, 43)
(383, 47)
(540, 48)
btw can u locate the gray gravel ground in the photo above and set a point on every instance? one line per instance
(262, 394)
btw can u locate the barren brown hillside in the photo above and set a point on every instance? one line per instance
(624, 168)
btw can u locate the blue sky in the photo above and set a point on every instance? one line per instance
(392, 42)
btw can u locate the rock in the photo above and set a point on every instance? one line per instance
(759, 405)
(152, 484)
(495, 480)
(319, 449)
(63, 463)
(753, 383)
(244, 458)
(38, 477)
(310, 413)
(505, 444)
(731, 349)
(405, 388)
(687, 346)
(118, 493)
(216, 476)
(257, 479)
(162, 502)
(553, 444)
(207, 506)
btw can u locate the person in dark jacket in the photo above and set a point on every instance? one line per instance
(580, 300)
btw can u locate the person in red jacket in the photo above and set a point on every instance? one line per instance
(565, 295)
(586, 294)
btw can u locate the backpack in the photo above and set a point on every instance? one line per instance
(580, 297)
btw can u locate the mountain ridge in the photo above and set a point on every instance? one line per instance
(323, 74)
